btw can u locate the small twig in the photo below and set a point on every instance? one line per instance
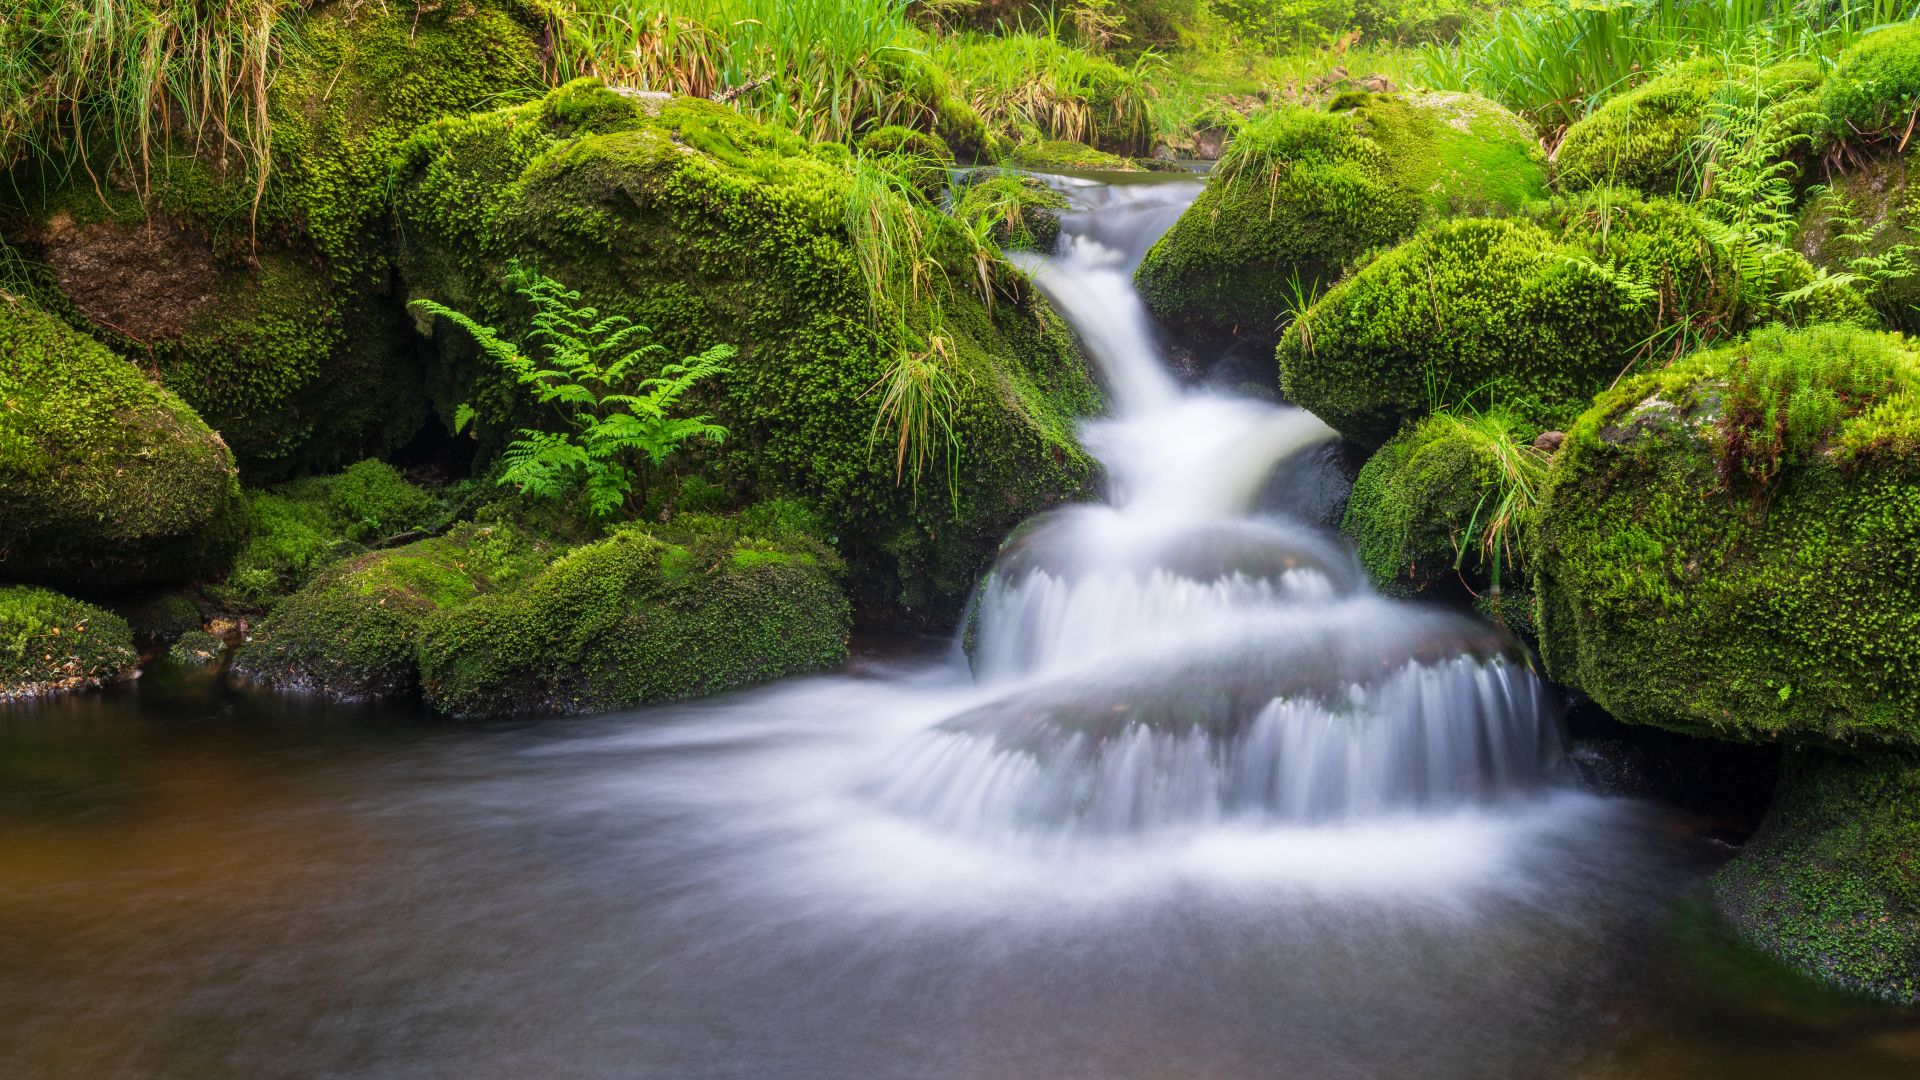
(728, 96)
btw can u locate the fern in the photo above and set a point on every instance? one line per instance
(610, 422)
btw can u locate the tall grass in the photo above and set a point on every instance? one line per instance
(1556, 62)
(91, 82)
(1040, 81)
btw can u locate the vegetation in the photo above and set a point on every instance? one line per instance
(614, 417)
(50, 643)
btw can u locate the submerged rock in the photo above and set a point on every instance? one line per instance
(710, 229)
(107, 480)
(1302, 193)
(50, 644)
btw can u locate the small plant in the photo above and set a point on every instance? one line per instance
(613, 411)
(1498, 527)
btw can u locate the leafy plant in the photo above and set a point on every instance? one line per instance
(613, 409)
(1497, 529)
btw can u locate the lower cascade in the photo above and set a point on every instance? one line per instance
(1190, 653)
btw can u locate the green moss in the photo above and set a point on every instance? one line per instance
(49, 643)
(107, 479)
(161, 618)
(1302, 193)
(1729, 546)
(634, 619)
(1422, 502)
(1874, 91)
(1639, 139)
(894, 139)
(1025, 212)
(197, 648)
(1831, 882)
(708, 229)
(1057, 155)
(351, 633)
(1866, 216)
(372, 500)
(1530, 314)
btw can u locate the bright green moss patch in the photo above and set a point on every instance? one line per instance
(1025, 213)
(1301, 193)
(1639, 139)
(372, 500)
(1530, 314)
(49, 643)
(351, 633)
(107, 479)
(1051, 155)
(710, 229)
(634, 619)
(1874, 91)
(1831, 882)
(1731, 546)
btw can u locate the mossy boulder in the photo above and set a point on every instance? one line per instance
(711, 229)
(1639, 139)
(1301, 193)
(1059, 155)
(1875, 89)
(1422, 503)
(352, 632)
(50, 643)
(639, 618)
(1868, 214)
(1831, 882)
(1025, 212)
(196, 649)
(1528, 314)
(268, 309)
(107, 480)
(1731, 546)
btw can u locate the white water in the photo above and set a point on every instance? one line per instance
(1179, 659)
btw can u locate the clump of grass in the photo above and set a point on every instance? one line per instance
(1497, 529)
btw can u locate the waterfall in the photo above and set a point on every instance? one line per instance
(1179, 656)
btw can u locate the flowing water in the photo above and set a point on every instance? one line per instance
(1191, 801)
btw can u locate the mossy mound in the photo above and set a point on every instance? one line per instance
(895, 139)
(1831, 882)
(351, 633)
(160, 619)
(1871, 212)
(50, 644)
(196, 649)
(296, 529)
(1422, 502)
(1639, 139)
(711, 229)
(1058, 155)
(106, 479)
(1728, 546)
(639, 618)
(1301, 193)
(1873, 92)
(1024, 211)
(1531, 315)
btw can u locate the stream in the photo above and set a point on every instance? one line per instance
(1184, 799)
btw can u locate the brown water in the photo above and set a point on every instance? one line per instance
(199, 884)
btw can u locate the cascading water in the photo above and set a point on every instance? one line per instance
(1177, 657)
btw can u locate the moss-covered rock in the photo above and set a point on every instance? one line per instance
(159, 619)
(1873, 92)
(351, 633)
(1059, 155)
(638, 618)
(1025, 212)
(1731, 546)
(1639, 139)
(1301, 193)
(1528, 314)
(197, 649)
(50, 643)
(1831, 882)
(710, 229)
(1422, 503)
(107, 480)
(1868, 216)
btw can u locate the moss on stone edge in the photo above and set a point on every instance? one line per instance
(1025, 212)
(1416, 502)
(1874, 91)
(1677, 591)
(1529, 315)
(1050, 155)
(107, 480)
(709, 228)
(636, 619)
(1831, 882)
(50, 644)
(352, 632)
(1302, 193)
